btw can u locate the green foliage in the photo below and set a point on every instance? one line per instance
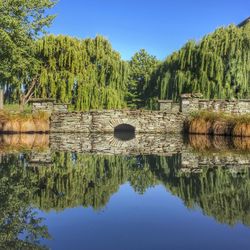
(218, 67)
(16, 108)
(17, 116)
(21, 21)
(141, 67)
(88, 73)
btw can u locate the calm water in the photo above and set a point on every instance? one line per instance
(55, 198)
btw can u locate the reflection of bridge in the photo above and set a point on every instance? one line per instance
(221, 152)
(145, 144)
(154, 144)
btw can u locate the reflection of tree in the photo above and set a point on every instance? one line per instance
(19, 226)
(90, 180)
(77, 179)
(215, 190)
(140, 175)
(219, 194)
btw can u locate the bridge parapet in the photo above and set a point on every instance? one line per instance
(194, 102)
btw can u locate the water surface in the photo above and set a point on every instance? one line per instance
(100, 192)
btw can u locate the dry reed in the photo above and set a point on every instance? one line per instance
(212, 123)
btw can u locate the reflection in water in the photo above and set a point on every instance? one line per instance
(219, 184)
(90, 180)
(124, 135)
(205, 142)
(125, 143)
(22, 142)
(16, 215)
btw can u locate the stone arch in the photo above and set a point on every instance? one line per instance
(124, 127)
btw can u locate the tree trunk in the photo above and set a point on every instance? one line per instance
(1, 99)
(24, 98)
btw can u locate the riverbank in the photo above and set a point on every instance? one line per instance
(212, 123)
(22, 122)
(144, 122)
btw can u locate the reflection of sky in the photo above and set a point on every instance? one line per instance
(155, 220)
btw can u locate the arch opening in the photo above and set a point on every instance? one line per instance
(124, 132)
(125, 128)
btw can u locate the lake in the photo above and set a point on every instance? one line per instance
(123, 191)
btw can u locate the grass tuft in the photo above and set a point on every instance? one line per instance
(219, 123)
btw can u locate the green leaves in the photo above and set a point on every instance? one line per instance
(218, 67)
(141, 67)
(88, 73)
(21, 21)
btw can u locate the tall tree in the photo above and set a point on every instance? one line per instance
(141, 67)
(87, 73)
(21, 22)
(218, 67)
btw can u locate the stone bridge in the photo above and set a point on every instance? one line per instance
(110, 121)
(169, 119)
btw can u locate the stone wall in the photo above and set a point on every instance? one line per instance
(232, 106)
(106, 121)
(169, 106)
(60, 107)
(193, 102)
(48, 105)
(169, 119)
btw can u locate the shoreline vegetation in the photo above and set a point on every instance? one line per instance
(212, 123)
(199, 123)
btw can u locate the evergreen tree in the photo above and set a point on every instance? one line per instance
(141, 67)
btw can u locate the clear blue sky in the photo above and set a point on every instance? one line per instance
(159, 26)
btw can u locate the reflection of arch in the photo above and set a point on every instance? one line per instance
(124, 127)
(124, 136)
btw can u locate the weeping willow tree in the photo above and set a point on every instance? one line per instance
(88, 73)
(218, 67)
